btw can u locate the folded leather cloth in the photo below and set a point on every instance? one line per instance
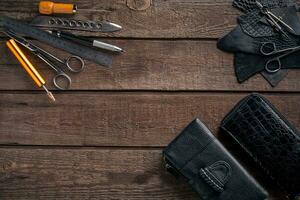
(266, 135)
(208, 167)
(256, 64)
(248, 6)
(253, 30)
(238, 41)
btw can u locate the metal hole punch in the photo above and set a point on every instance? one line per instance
(74, 24)
(65, 22)
(79, 23)
(52, 21)
(88, 53)
(99, 25)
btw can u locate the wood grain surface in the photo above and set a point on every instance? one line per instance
(146, 18)
(103, 138)
(150, 65)
(116, 119)
(93, 174)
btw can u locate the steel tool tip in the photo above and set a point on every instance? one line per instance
(51, 97)
(259, 4)
(118, 27)
(49, 94)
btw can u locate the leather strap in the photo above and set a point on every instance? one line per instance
(216, 175)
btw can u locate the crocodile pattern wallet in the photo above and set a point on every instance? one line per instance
(269, 139)
(197, 156)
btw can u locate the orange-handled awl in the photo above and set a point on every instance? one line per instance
(49, 8)
(29, 68)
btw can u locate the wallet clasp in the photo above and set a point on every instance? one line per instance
(216, 175)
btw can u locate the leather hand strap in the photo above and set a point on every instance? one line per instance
(216, 175)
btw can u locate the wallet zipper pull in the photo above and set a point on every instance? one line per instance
(170, 168)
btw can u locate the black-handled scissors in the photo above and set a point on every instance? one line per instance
(61, 77)
(274, 64)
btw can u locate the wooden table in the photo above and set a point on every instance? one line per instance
(103, 138)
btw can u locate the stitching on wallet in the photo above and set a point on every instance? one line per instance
(212, 181)
(215, 166)
(211, 174)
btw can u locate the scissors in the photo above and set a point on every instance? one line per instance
(49, 59)
(274, 20)
(274, 64)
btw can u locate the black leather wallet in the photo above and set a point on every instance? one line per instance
(208, 167)
(269, 139)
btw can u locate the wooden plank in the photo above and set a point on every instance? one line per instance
(146, 18)
(117, 119)
(94, 174)
(150, 65)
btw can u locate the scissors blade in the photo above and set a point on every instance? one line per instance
(21, 40)
(282, 22)
(274, 19)
(259, 5)
(273, 23)
(266, 12)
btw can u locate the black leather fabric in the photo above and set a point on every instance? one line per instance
(269, 139)
(253, 29)
(256, 64)
(275, 78)
(208, 167)
(248, 6)
(255, 25)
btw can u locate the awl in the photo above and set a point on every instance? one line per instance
(29, 68)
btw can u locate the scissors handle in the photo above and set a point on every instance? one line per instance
(268, 48)
(79, 60)
(273, 65)
(62, 81)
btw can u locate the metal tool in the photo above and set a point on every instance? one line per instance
(269, 48)
(29, 68)
(87, 42)
(43, 36)
(49, 59)
(49, 7)
(73, 24)
(274, 64)
(274, 20)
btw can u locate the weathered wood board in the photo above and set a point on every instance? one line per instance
(103, 138)
(117, 119)
(150, 65)
(79, 174)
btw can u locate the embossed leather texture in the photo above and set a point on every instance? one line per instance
(269, 139)
(208, 167)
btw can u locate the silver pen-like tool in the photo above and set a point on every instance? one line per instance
(88, 42)
(106, 46)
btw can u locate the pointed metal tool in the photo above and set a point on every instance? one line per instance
(50, 22)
